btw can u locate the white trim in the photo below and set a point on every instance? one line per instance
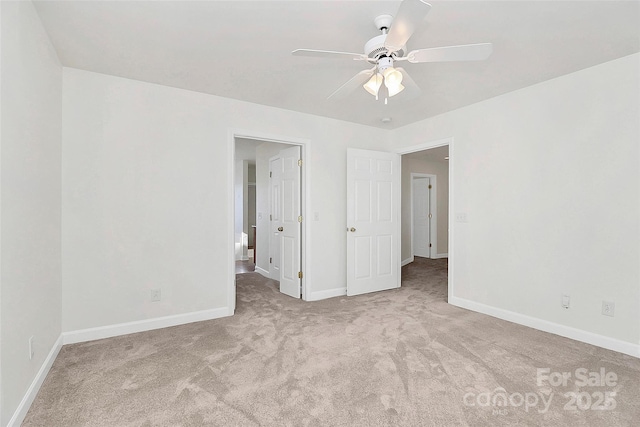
(231, 225)
(262, 271)
(329, 293)
(438, 256)
(543, 325)
(426, 146)
(32, 391)
(109, 331)
(407, 261)
(305, 201)
(433, 144)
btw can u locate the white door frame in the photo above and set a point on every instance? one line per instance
(305, 202)
(433, 210)
(434, 144)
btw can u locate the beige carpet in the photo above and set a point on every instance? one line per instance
(401, 357)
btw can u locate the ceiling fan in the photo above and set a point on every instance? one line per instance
(384, 50)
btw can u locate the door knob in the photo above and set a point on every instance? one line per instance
(353, 230)
(280, 229)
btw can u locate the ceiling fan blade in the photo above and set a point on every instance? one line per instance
(327, 54)
(356, 81)
(465, 52)
(411, 89)
(409, 16)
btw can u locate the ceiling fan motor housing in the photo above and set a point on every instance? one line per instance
(384, 63)
(374, 48)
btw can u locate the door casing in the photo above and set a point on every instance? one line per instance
(452, 207)
(305, 206)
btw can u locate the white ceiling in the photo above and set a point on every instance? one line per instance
(242, 49)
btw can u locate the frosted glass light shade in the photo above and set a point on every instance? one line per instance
(394, 90)
(373, 85)
(392, 77)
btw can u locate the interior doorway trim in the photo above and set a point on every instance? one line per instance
(434, 144)
(433, 210)
(305, 205)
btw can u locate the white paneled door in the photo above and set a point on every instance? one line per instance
(373, 221)
(421, 217)
(275, 215)
(290, 224)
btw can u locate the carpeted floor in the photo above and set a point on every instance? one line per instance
(402, 357)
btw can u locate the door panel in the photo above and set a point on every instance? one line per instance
(385, 252)
(362, 258)
(385, 204)
(373, 220)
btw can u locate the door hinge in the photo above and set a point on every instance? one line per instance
(299, 162)
(270, 174)
(429, 244)
(270, 260)
(299, 274)
(270, 217)
(429, 186)
(300, 218)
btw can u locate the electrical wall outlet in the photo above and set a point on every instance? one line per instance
(608, 308)
(461, 217)
(155, 295)
(32, 351)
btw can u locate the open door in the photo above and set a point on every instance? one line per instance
(421, 226)
(290, 221)
(373, 221)
(275, 215)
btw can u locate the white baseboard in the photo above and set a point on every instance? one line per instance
(329, 293)
(32, 391)
(438, 256)
(142, 325)
(407, 261)
(543, 325)
(262, 271)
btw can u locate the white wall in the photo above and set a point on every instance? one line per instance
(441, 171)
(549, 178)
(31, 81)
(145, 196)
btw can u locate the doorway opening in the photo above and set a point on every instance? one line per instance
(267, 231)
(426, 207)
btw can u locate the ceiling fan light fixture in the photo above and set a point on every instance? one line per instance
(392, 77)
(373, 85)
(391, 46)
